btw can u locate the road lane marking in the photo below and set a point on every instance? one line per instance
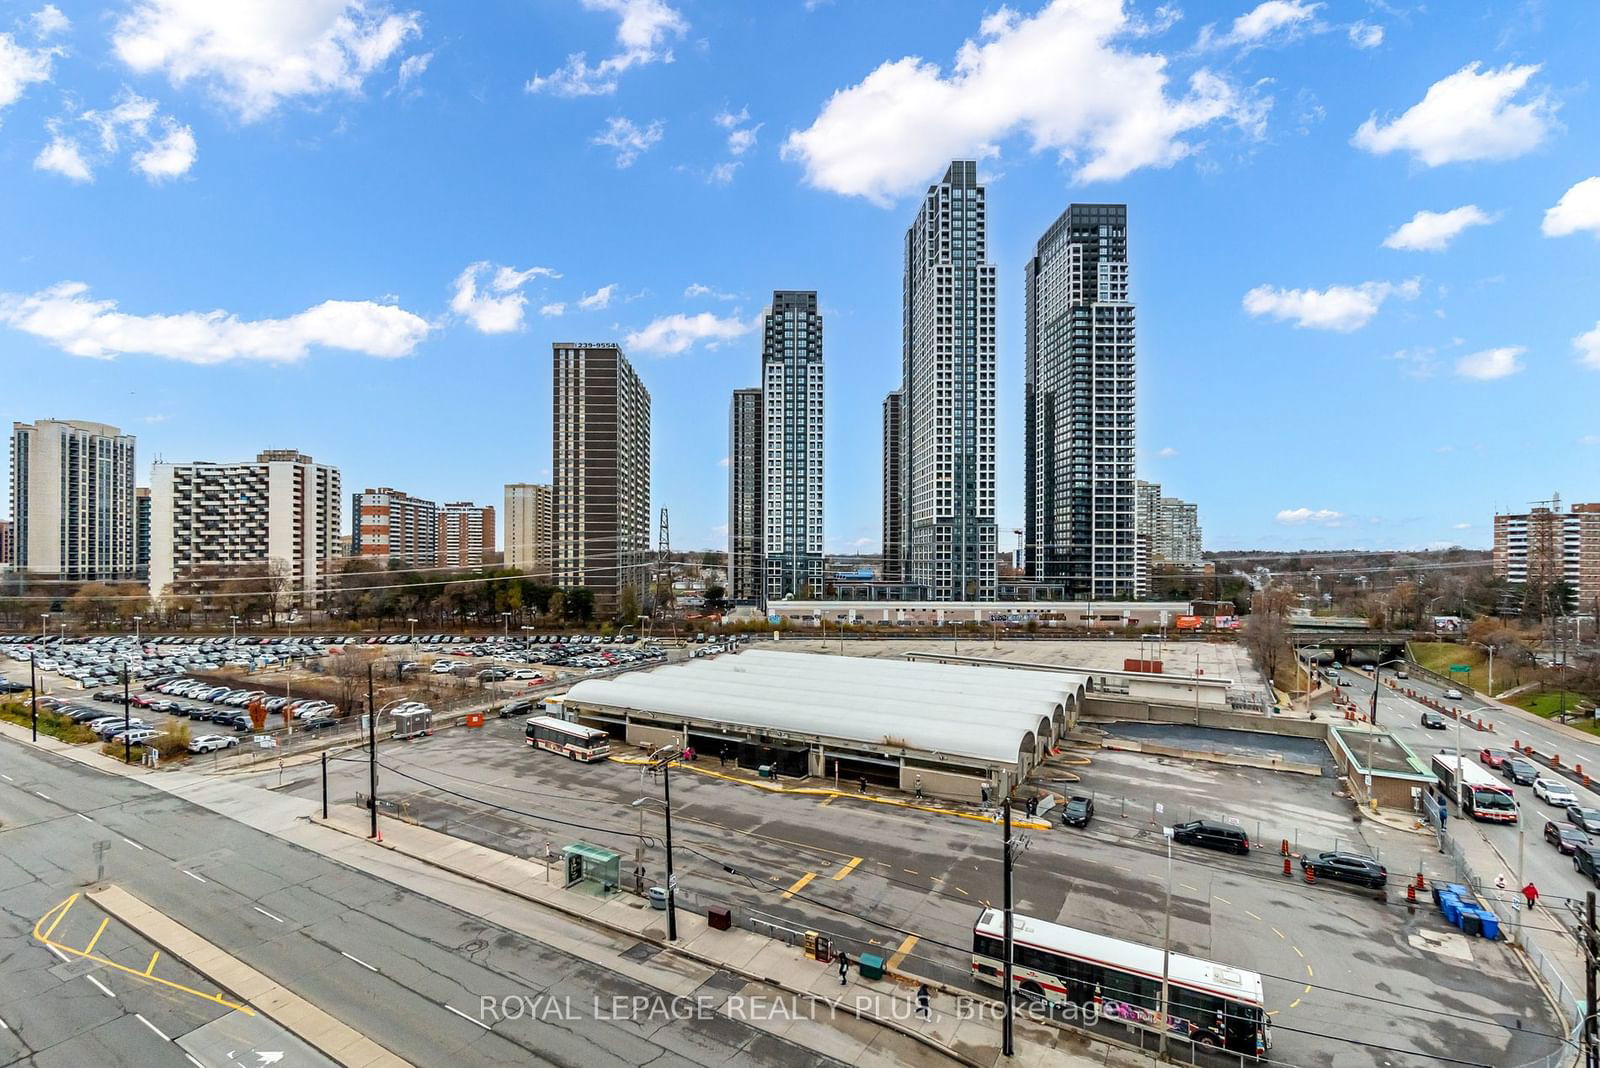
(193, 876)
(1279, 933)
(4, 1026)
(1219, 897)
(6, 777)
(910, 871)
(152, 966)
(1297, 952)
(799, 885)
(131, 842)
(828, 800)
(962, 892)
(1310, 972)
(192, 1061)
(900, 954)
(359, 961)
(81, 816)
(152, 1027)
(100, 986)
(847, 869)
(102, 930)
(1191, 889)
(60, 911)
(60, 954)
(265, 913)
(42, 795)
(1295, 1003)
(467, 1018)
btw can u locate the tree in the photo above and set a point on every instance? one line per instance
(258, 714)
(580, 604)
(716, 598)
(1266, 630)
(349, 671)
(628, 608)
(557, 605)
(278, 588)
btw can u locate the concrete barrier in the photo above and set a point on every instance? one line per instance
(1103, 707)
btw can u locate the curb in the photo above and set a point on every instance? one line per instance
(683, 951)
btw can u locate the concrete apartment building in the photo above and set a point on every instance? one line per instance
(141, 533)
(600, 460)
(1540, 548)
(745, 461)
(1171, 525)
(792, 451)
(8, 546)
(400, 529)
(283, 506)
(894, 514)
(466, 534)
(948, 394)
(1078, 462)
(72, 500)
(529, 528)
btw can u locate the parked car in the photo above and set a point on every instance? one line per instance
(442, 667)
(1347, 867)
(1586, 818)
(1077, 812)
(1212, 835)
(1520, 771)
(319, 723)
(1493, 757)
(526, 675)
(493, 675)
(1564, 838)
(1554, 792)
(109, 695)
(207, 743)
(1433, 721)
(522, 707)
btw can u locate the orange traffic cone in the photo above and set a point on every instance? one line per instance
(1288, 872)
(1311, 874)
(1411, 894)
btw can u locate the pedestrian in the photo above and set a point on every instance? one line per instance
(919, 787)
(1531, 892)
(722, 757)
(844, 968)
(922, 1002)
(863, 784)
(1500, 881)
(984, 792)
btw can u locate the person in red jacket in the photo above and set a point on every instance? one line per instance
(1531, 892)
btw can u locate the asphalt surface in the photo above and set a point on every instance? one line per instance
(403, 969)
(888, 880)
(1232, 743)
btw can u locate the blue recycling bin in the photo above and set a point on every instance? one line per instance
(1460, 891)
(1491, 925)
(1450, 905)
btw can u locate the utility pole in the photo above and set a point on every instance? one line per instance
(33, 695)
(127, 726)
(1007, 994)
(372, 754)
(324, 784)
(672, 880)
(1591, 946)
(1166, 952)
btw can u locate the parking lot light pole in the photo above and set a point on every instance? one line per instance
(235, 621)
(33, 695)
(136, 620)
(127, 726)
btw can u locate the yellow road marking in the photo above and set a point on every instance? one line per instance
(1252, 915)
(1272, 1012)
(900, 954)
(1219, 897)
(43, 937)
(1295, 1003)
(1279, 933)
(1310, 972)
(1297, 952)
(799, 884)
(90, 947)
(829, 800)
(847, 869)
(150, 970)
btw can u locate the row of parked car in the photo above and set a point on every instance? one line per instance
(311, 713)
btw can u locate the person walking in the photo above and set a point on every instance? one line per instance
(1500, 881)
(919, 787)
(844, 968)
(922, 1002)
(984, 792)
(1531, 892)
(863, 784)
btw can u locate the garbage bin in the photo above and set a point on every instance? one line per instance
(1471, 922)
(765, 771)
(871, 966)
(719, 918)
(1491, 925)
(658, 897)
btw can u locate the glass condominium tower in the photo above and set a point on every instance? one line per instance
(1079, 418)
(948, 394)
(791, 426)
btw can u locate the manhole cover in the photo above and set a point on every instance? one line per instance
(641, 952)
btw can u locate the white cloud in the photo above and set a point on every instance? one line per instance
(1326, 516)
(1578, 209)
(68, 318)
(1589, 439)
(163, 148)
(1167, 453)
(21, 67)
(551, 311)
(1588, 346)
(722, 462)
(600, 298)
(1283, 19)
(728, 120)
(1341, 308)
(1432, 231)
(673, 334)
(1057, 76)
(723, 172)
(498, 307)
(1463, 526)
(1365, 34)
(255, 54)
(1419, 362)
(742, 141)
(695, 289)
(49, 21)
(1470, 115)
(627, 139)
(1491, 363)
(412, 68)
(63, 156)
(643, 28)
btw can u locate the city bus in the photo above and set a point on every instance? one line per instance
(1483, 797)
(584, 744)
(1214, 1005)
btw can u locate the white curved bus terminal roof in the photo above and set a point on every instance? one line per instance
(970, 714)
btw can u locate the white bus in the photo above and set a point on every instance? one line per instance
(585, 744)
(1483, 797)
(1212, 1004)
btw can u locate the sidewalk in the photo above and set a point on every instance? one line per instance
(963, 1029)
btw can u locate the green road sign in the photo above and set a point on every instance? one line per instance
(1460, 667)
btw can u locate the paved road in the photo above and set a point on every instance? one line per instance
(872, 875)
(403, 969)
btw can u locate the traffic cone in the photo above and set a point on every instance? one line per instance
(1419, 883)
(1288, 871)
(1411, 894)
(1286, 847)
(1555, 760)
(1311, 875)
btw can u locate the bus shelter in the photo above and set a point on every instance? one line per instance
(592, 869)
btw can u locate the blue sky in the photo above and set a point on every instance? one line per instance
(1365, 236)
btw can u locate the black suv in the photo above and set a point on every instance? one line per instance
(1433, 721)
(1212, 835)
(1347, 867)
(1520, 771)
(1586, 864)
(1077, 812)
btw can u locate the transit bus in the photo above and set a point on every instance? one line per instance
(1213, 1005)
(1483, 797)
(583, 744)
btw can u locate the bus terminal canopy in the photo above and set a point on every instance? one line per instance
(1000, 719)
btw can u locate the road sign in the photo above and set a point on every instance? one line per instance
(1460, 667)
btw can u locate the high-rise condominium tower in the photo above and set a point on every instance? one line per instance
(466, 534)
(791, 424)
(600, 457)
(746, 449)
(894, 513)
(72, 500)
(1079, 416)
(400, 529)
(528, 528)
(948, 393)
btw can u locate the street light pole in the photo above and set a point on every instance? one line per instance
(33, 695)
(372, 754)
(127, 726)
(1009, 995)
(672, 888)
(1166, 951)
(136, 620)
